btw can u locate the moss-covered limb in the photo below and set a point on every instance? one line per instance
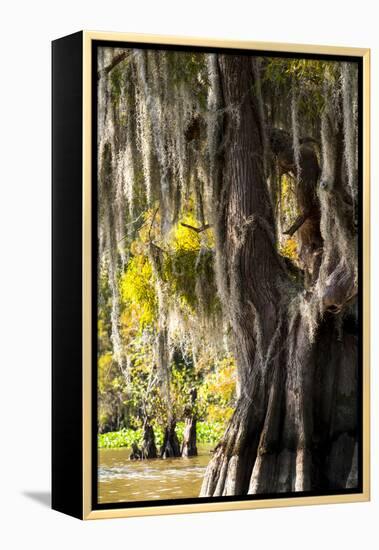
(119, 58)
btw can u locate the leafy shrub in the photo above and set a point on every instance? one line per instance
(206, 433)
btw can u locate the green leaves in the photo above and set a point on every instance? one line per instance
(189, 69)
(281, 76)
(206, 433)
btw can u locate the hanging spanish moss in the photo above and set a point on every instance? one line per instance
(215, 119)
(295, 130)
(350, 120)
(340, 248)
(112, 192)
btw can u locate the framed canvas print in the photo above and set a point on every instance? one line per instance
(210, 275)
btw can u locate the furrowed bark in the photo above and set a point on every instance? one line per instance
(149, 449)
(189, 447)
(245, 236)
(295, 427)
(170, 447)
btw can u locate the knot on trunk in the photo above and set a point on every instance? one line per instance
(339, 288)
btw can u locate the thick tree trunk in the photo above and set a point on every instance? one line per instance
(136, 452)
(295, 423)
(170, 447)
(307, 225)
(248, 274)
(148, 449)
(189, 447)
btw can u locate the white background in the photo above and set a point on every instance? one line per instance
(26, 31)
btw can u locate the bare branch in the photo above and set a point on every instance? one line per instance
(297, 224)
(152, 223)
(197, 229)
(115, 61)
(132, 223)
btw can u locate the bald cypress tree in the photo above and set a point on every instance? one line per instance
(268, 150)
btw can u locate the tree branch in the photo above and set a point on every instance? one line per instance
(297, 224)
(129, 224)
(115, 61)
(197, 229)
(152, 223)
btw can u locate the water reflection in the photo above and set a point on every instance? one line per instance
(123, 480)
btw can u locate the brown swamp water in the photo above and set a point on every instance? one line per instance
(123, 480)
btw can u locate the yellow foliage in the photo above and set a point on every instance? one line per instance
(104, 365)
(184, 238)
(289, 249)
(138, 291)
(218, 390)
(289, 212)
(216, 413)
